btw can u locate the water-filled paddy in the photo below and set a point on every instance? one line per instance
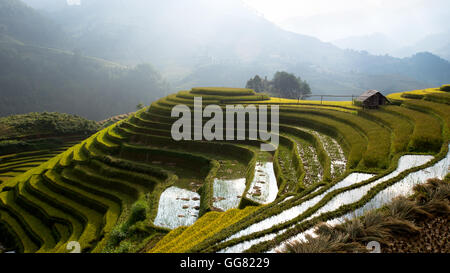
(264, 187)
(177, 207)
(228, 193)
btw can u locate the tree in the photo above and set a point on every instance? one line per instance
(256, 84)
(284, 84)
(290, 86)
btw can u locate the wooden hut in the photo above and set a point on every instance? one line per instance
(372, 99)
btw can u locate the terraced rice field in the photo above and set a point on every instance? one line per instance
(333, 160)
(15, 164)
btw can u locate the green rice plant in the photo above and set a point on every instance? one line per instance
(136, 168)
(440, 110)
(438, 97)
(104, 144)
(22, 239)
(426, 136)
(141, 181)
(109, 210)
(351, 140)
(310, 165)
(207, 225)
(118, 191)
(89, 218)
(294, 168)
(74, 226)
(222, 91)
(58, 229)
(187, 95)
(78, 153)
(407, 95)
(402, 128)
(172, 235)
(38, 232)
(66, 184)
(66, 159)
(114, 136)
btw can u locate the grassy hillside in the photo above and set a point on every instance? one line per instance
(28, 140)
(124, 188)
(38, 125)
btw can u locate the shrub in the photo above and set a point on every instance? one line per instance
(357, 103)
(47, 123)
(118, 234)
(138, 212)
(124, 247)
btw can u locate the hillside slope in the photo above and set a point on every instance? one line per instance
(27, 141)
(37, 79)
(42, 70)
(128, 185)
(23, 23)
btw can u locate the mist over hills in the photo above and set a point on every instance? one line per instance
(375, 43)
(19, 21)
(203, 42)
(37, 75)
(381, 44)
(188, 40)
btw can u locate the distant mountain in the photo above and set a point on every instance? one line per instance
(202, 42)
(20, 22)
(37, 75)
(380, 44)
(438, 44)
(222, 43)
(36, 79)
(376, 43)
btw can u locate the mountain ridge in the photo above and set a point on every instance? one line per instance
(224, 44)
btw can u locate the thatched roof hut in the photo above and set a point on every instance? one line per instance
(372, 98)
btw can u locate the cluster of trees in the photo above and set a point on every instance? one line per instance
(35, 124)
(283, 84)
(41, 131)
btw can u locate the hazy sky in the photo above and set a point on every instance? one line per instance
(404, 22)
(74, 2)
(332, 19)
